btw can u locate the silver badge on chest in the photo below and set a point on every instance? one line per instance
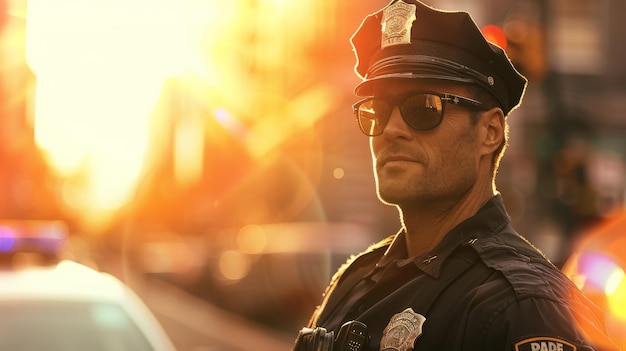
(402, 331)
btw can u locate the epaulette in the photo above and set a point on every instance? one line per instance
(525, 268)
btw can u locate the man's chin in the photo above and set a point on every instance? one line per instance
(391, 198)
(388, 203)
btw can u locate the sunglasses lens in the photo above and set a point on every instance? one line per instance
(373, 116)
(422, 111)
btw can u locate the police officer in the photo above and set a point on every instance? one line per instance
(457, 276)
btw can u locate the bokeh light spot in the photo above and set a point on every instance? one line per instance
(7, 239)
(598, 268)
(339, 173)
(252, 239)
(234, 265)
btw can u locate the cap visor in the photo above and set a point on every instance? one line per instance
(366, 87)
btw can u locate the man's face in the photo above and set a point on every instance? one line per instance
(416, 168)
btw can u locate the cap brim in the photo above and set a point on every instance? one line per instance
(366, 87)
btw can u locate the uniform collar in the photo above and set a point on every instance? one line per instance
(489, 220)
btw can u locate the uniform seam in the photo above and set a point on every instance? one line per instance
(495, 315)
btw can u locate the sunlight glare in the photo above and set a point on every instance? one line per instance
(188, 150)
(616, 293)
(100, 67)
(297, 114)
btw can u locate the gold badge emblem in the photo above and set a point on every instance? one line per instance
(397, 23)
(402, 331)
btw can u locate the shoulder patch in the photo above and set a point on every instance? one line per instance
(544, 343)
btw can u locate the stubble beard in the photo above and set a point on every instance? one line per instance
(424, 191)
(394, 192)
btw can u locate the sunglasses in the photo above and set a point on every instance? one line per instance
(420, 110)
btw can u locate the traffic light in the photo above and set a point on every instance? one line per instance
(494, 34)
(526, 47)
(524, 42)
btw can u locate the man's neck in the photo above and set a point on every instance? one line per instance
(426, 226)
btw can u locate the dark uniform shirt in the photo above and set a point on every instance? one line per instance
(483, 287)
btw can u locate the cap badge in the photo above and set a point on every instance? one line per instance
(402, 331)
(397, 23)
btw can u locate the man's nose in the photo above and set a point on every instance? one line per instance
(396, 126)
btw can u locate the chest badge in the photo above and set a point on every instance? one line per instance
(402, 331)
(397, 23)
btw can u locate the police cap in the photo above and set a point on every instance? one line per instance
(408, 39)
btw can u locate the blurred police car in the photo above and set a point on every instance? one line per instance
(64, 305)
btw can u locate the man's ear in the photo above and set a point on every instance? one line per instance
(493, 127)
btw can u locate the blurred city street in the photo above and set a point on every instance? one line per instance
(196, 325)
(193, 323)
